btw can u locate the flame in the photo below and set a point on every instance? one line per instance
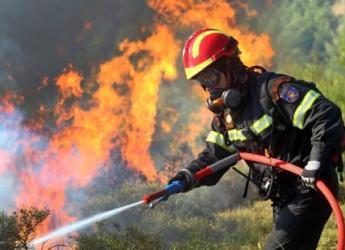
(143, 80)
(77, 151)
(69, 85)
(8, 101)
(220, 15)
(187, 14)
(117, 107)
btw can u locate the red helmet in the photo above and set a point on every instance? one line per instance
(204, 47)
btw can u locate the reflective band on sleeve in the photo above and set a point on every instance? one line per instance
(236, 135)
(218, 138)
(302, 109)
(260, 125)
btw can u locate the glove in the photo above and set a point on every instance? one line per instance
(187, 177)
(309, 174)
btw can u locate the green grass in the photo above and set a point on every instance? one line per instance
(204, 218)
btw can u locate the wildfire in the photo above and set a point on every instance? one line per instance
(8, 102)
(182, 14)
(121, 113)
(255, 48)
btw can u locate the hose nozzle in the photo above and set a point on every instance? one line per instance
(173, 188)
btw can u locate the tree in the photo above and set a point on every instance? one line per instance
(18, 229)
(299, 29)
(8, 231)
(27, 222)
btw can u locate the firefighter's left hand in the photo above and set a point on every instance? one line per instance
(186, 176)
(309, 174)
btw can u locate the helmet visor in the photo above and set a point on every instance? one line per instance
(208, 78)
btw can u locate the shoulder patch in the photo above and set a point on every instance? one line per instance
(289, 93)
(276, 84)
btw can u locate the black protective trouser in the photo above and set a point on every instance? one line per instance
(298, 224)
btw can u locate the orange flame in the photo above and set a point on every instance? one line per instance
(143, 79)
(9, 100)
(77, 151)
(69, 85)
(186, 14)
(122, 111)
(219, 15)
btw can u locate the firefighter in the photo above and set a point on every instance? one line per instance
(267, 113)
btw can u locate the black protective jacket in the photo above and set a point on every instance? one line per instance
(286, 117)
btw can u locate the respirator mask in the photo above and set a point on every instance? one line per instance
(220, 98)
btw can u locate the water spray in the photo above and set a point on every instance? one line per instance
(178, 186)
(83, 223)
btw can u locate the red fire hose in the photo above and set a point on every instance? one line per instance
(319, 184)
(177, 186)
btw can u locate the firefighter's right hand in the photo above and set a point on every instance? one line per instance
(187, 177)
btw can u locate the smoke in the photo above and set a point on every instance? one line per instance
(16, 146)
(39, 38)
(8, 190)
(101, 99)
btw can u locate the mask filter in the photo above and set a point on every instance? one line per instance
(217, 106)
(232, 98)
